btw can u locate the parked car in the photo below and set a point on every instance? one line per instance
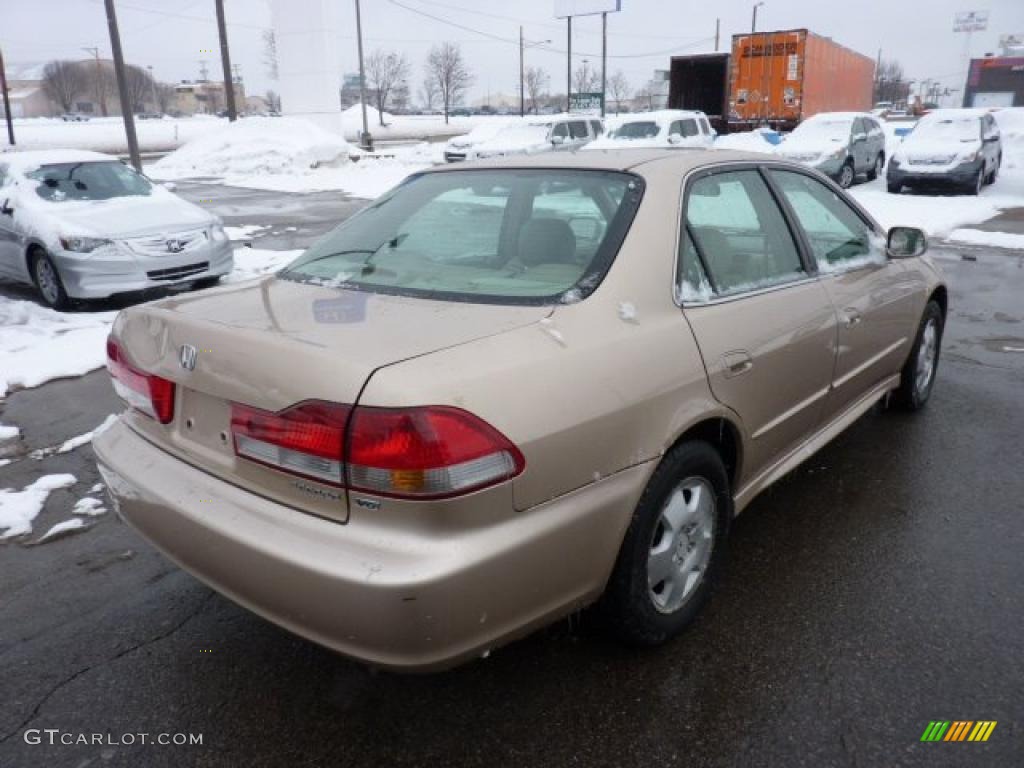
(839, 144)
(456, 148)
(667, 128)
(540, 134)
(507, 390)
(74, 118)
(83, 225)
(957, 148)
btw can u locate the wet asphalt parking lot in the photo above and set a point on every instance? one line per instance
(877, 588)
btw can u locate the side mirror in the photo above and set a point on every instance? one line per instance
(6, 209)
(675, 138)
(556, 140)
(906, 243)
(170, 186)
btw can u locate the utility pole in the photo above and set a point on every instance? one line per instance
(122, 86)
(101, 97)
(753, 20)
(7, 100)
(366, 141)
(718, 29)
(568, 71)
(225, 60)
(522, 98)
(604, 58)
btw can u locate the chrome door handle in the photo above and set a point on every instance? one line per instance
(736, 363)
(852, 317)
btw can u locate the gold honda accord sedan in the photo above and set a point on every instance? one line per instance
(504, 391)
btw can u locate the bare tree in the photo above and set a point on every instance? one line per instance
(618, 89)
(166, 97)
(536, 82)
(140, 87)
(101, 82)
(586, 79)
(273, 101)
(890, 84)
(428, 92)
(450, 74)
(385, 71)
(214, 98)
(63, 81)
(270, 53)
(645, 96)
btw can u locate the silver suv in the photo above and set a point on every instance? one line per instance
(839, 144)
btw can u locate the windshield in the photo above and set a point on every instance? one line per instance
(953, 129)
(824, 130)
(498, 236)
(88, 181)
(638, 130)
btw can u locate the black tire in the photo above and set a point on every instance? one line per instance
(628, 604)
(910, 395)
(995, 170)
(974, 187)
(876, 169)
(47, 280)
(846, 176)
(894, 187)
(206, 282)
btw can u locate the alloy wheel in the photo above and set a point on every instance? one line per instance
(681, 544)
(47, 280)
(926, 355)
(846, 176)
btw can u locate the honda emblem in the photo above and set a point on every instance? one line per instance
(187, 357)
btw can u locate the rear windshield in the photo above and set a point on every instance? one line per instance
(533, 236)
(88, 181)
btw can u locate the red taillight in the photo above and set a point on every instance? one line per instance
(146, 392)
(306, 439)
(425, 452)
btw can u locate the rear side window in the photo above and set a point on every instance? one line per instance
(496, 236)
(596, 127)
(561, 130)
(704, 127)
(839, 238)
(578, 129)
(740, 234)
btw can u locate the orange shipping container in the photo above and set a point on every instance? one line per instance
(784, 77)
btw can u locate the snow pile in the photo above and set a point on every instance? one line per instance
(88, 506)
(1011, 129)
(39, 344)
(8, 433)
(19, 508)
(936, 215)
(75, 442)
(353, 116)
(992, 239)
(748, 141)
(60, 528)
(255, 146)
(257, 262)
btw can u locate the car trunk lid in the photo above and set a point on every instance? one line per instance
(273, 343)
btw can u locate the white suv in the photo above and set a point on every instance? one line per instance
(540, 134)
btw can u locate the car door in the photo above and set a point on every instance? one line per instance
(559, 130)
(578, 134)
(859, 146)
(876, 141)
(990, 142)
(874, 297)
(764, 324)
(10, 243)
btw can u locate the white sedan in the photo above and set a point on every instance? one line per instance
(665, 128)
(83, 225)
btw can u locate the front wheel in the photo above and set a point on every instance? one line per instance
(918, 375)
(894, 187)
(48, 282)
(673, 548)
(846, 175)
(876, 169)
(975, 186)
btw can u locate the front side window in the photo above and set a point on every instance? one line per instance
(578, 129)
(506, 236)
(645, 129)
(688, 127)
(88, 181)
(740, 234)
(839, 238)
(704, 127)
(560, 130)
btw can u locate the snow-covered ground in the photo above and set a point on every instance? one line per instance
(106, 134)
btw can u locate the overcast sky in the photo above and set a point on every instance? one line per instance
(174, 35)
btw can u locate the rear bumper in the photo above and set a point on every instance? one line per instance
(98, 278)
(410, 599)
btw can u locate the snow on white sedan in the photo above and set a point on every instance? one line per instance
(665, 128)
(83, 225)
(539, 134)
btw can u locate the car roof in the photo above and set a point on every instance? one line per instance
(25, 161)
(662, 114)
(953, 114)
(644, 161)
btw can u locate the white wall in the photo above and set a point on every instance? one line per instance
(308, 60)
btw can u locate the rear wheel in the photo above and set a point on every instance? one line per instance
(876, 169)
(975, 186)
(846, 175)
(918, 375)
(47, 281)
(673, 549)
